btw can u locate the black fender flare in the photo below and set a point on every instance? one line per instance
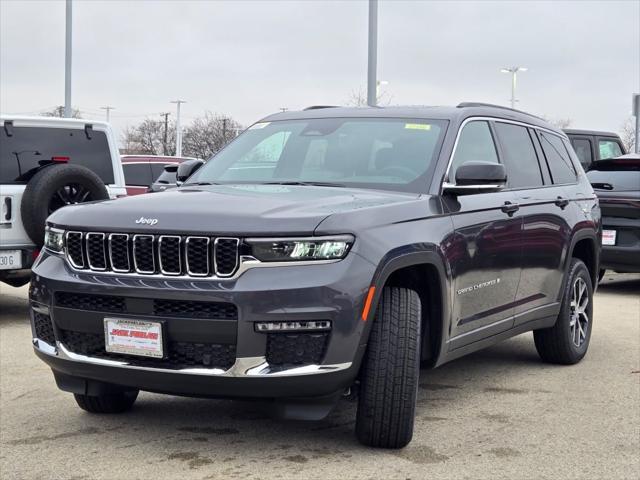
(407, 256)
(585, 234)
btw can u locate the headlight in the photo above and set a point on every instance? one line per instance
(299, 249)
(53, 239)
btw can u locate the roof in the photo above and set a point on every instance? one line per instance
(70, 122)
(596, 133)
(458, 113)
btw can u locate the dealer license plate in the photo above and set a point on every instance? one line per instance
(608, 237)
(133, 337)
(10, 259)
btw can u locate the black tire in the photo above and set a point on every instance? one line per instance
(41, 198)
(390, 372)
(601, 274)
(558, 344)
(114, 403)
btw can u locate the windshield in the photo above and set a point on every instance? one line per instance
(383, 153)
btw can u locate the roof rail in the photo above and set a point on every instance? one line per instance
(502, 107)
(318, 107)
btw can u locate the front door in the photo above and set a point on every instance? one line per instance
(488, 245)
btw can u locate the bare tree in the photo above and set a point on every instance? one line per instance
(59, 112)
(148, 138)
(628, 135)
(560, 123)
(208, 134)
(358, 98)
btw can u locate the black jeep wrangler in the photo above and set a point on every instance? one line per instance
(323, 251)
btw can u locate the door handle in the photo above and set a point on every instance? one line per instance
(562, 202)
(510, 208)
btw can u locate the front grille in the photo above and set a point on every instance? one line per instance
(180, 355)
(96, 303)
(153, 254)
(296, 348)
(157, 307)
(44, 328)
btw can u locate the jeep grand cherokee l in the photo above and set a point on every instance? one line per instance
(326, 250)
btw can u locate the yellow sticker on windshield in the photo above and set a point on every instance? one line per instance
(255, 126)
(417, 126)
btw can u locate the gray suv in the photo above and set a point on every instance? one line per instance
(326, 251)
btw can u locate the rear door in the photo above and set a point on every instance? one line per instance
(488, 234)
(546, 232)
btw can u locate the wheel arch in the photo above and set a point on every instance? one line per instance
(421, 269)
(584, 245)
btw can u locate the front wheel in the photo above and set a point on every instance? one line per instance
(113, 403)
(568, 340)
(390, 372)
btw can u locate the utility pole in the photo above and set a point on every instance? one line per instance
(373, 54)
(636, 113)
(108, 110)
(164, 137)
(67, 60)
(178, 127)
(514, 72)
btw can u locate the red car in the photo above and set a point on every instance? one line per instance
(140, 171)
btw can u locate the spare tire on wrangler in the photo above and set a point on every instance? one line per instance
(54, 187)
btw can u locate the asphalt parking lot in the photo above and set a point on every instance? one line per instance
(499, 413)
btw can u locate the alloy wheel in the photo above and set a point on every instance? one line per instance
(579, 316)
(69, 195)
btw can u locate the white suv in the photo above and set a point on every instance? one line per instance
(45, 164)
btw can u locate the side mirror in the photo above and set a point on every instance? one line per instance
(186, 169)
(476, 177)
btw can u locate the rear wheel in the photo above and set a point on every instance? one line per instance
(390, 372)
(568, 340)
(113, 403)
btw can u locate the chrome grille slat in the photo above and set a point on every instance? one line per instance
(225, 256)
(167, 246)
(96, 253)
(195, 247)
(157, 255)
(144, 255)
(74, 248)
(119, 252)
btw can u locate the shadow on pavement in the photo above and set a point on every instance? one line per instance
(624, 284)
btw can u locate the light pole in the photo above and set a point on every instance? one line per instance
(178, 127)
(372, 65)
(67, 60)
(514, 72)
(108, 110)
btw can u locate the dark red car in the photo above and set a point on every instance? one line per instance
(140, 171)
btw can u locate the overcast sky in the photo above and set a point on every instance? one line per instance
(248, 59)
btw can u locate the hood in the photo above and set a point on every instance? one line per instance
(235, 210)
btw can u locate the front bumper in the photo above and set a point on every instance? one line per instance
(333, 292)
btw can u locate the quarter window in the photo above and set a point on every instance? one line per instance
(582, 147)
(562, 170)
(609, 149)
(520, 157)
(138, 174)
(474, 145)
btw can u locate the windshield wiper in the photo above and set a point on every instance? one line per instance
(313, 184)
(198, 184)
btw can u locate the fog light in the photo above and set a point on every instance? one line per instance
(299, 326)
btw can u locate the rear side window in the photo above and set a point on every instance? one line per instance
(608, 149)
(562, 170)
(138, 174)
(582, 146)
(30, 147)
(474, 145)
(519, 156)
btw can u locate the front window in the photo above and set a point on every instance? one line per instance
(609, 149)
(389, 154)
